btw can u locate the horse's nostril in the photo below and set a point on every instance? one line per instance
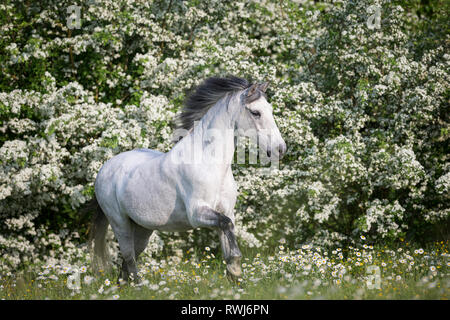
(269, 153)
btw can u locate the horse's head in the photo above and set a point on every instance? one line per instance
(256, 121)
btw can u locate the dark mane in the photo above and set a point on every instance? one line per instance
(205, 96)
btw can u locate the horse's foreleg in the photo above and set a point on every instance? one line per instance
(232, 257)
(207, 217)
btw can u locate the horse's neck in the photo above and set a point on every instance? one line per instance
(216, 133)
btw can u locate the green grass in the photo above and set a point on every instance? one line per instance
(309, 273)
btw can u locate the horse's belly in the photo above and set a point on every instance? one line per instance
(156, 216)
(151, 201)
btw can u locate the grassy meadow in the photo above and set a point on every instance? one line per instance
(360, 272)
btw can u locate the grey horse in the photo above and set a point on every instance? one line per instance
(190, 186)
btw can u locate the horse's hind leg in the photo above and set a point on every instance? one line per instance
(125, 236)
(141, 236)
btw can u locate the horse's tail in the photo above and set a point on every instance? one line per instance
(97, 235)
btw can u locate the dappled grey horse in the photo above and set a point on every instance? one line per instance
(190, 186)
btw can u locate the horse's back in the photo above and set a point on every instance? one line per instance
(126, 161)
(135, 157)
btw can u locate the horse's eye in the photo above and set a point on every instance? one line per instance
(256, 114)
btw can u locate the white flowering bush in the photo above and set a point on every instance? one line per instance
(363, 107)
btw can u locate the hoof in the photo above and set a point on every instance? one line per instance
(129, 281)
(234, 270)
(121, 282)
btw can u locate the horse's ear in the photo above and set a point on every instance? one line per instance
(252, 90)
(263, 86)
